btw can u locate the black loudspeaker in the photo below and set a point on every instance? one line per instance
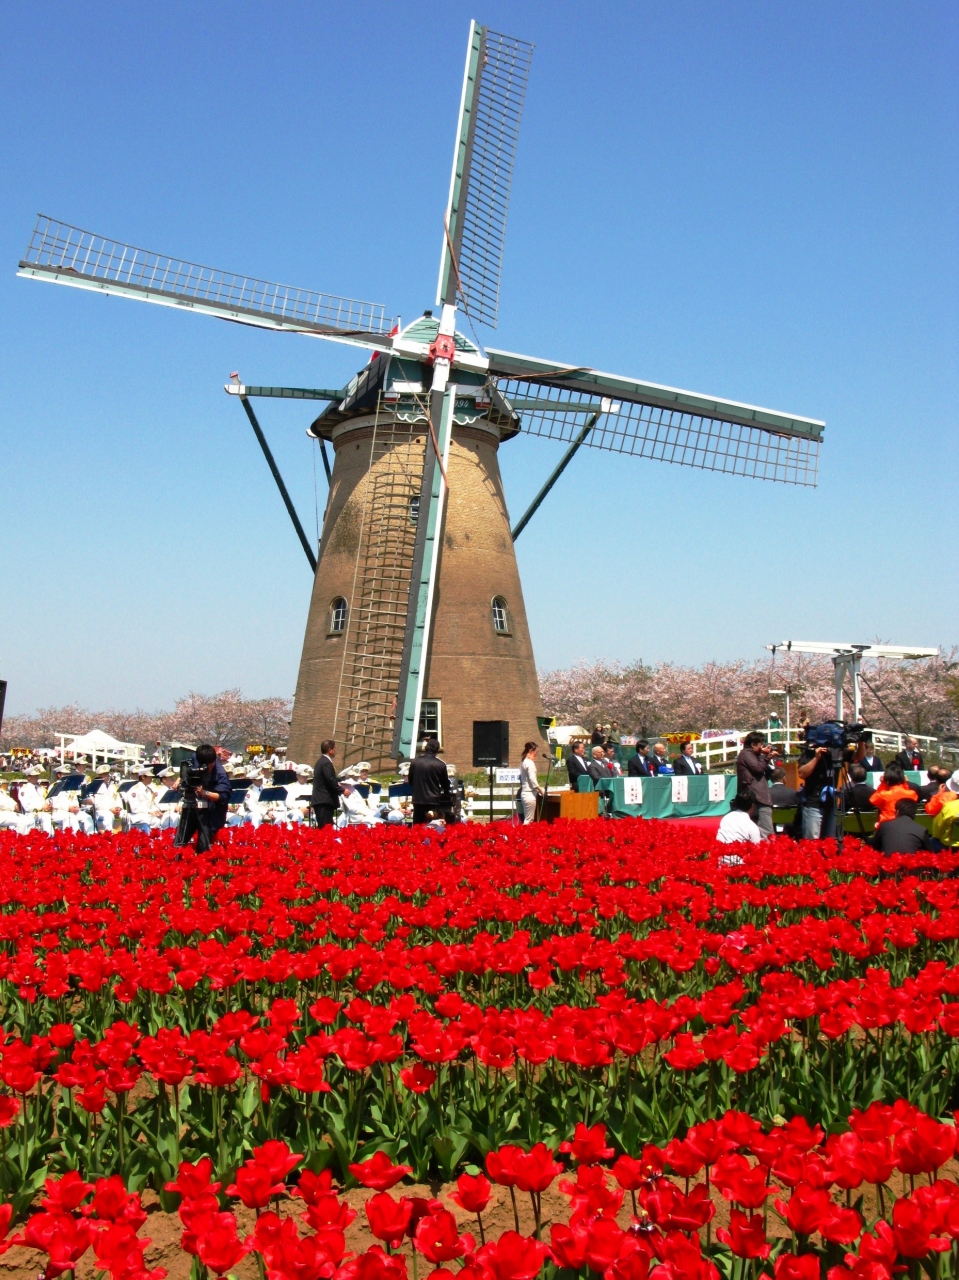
(490, 744)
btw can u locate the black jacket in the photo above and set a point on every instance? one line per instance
(218, 781)
(905, 759)
(856, 796)
(682, 764)
(752, 772)
(902, 835)
(598, 769)
(872, 764)
(429, 780)
(783, 797)
(639, 767)
(576, 766)
(326, 785)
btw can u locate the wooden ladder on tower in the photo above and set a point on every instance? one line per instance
(370, 672)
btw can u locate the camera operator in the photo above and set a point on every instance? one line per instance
(206, 798)
(753, 770)
(818, 814)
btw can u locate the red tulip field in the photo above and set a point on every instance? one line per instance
(595, 1049)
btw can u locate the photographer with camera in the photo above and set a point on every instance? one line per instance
(754, 768)
(206, 797)
(817, 775)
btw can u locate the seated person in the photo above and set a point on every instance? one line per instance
(903, 834)
(739, 824)
(356, 811)
(892, 789)
(783, 797)
(857, 793)
(948, 791)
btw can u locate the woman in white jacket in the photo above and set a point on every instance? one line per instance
(529, 788)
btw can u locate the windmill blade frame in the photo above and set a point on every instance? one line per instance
(69, 255)
(491, 105)
(661, 423)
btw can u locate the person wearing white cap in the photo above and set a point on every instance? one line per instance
(33, 801)
(249, 812)
(106, 801)
(298, 795)
(65, 808)
(169, 811)
(356, 812)
(11, 818)
(140, 800)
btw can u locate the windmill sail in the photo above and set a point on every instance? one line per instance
(662, 423)
(71, 256)
(494, 86)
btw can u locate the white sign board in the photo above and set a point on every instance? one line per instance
(507, 777)
(632, 791)
(717, 788)
(680, 788)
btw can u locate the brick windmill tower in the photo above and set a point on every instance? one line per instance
(417, 623)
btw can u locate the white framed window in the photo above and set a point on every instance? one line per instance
(338, 611)
(431, 719)
(414, 509)
(500, 616)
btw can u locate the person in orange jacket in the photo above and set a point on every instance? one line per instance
(893, 788)
(948, 791)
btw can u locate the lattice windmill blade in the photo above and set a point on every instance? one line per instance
(643, 419)
(494, 86)
(69, 255)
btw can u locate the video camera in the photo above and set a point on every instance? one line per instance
(837, 736)
(191, 777)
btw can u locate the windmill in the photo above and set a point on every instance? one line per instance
(417, 622)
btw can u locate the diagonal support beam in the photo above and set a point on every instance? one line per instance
(284, 493)
(564, 462)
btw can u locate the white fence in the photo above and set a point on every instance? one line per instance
(718, 751)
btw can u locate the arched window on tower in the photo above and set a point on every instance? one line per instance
(337, 616)
(500, 616)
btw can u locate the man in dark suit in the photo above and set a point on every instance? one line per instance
(909, 757)
(639, 766)
(686, 762)
(903, 834)
(856, 792)
(325, 797)
(782, 797)
(597, 767)
(576, 765)
(870, 762)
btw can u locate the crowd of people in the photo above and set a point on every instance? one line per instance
(269, 789)
(827, 790)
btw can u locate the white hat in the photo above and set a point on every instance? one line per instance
(953, 783)
(305, 769)
(169, 772)
(364, 764)
(33, 772)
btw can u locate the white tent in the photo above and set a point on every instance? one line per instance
(97, 745)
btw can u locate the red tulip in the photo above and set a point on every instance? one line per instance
(389, 1218)
(789, 1266)
(219, 1247)
(437, 1239)
(417, 1078)
(472, 1192)
(535, 1170)
(512, 1257)
(746, 1236)
(587, 1146)
(379, 1172)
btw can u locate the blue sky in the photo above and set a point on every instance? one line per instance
(757, 200)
